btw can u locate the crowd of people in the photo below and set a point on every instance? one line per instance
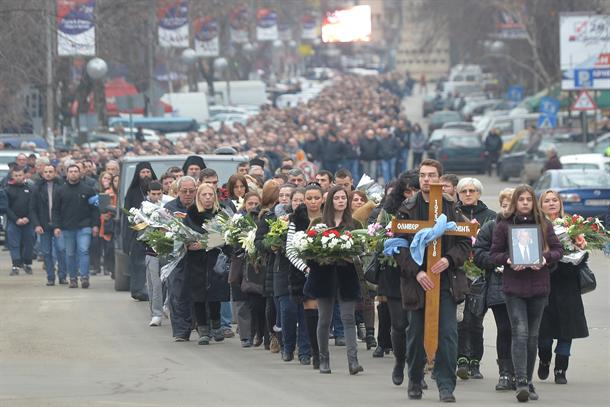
(289, 305)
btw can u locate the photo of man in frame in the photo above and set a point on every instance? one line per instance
(525, 246)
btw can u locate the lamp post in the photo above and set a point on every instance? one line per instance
(221, 64)
(97, 70)
(189, 58)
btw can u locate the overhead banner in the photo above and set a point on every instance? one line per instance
(238, 22)
(308, 27)
(75, 27)
(266, 25)
(509, 26)
(173, 21)
(584, 51)
(284, 31)
(206, 31)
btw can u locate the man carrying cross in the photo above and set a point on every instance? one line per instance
(418, 283)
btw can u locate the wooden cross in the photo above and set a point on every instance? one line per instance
(432, 307)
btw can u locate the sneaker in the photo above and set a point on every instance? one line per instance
(475, 371)
(340, 341)
(543, 370)
(14, 271)
(84, 282)
(274, 347)
(73, 283)
(28, 269)
(246, 343)
(533, 395)
(305, 360)
(180, 339)
(155, 321)
(50, 283)
(63, 281)
(446, 396)
(463, 368)
(228, 333)
(166, 311)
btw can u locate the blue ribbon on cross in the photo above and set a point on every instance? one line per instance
(423, 238)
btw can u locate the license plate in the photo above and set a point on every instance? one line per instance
(597, 202)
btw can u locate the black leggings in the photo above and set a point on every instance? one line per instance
(201, 312)
(257, 304)
(504, 335)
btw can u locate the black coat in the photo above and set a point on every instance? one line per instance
(480, 212)
(564, 316)
(388, 148)
(267, 263)
(369, 149)
(204, 282)
(39, 206)
(495, 294)
(19, 198)
(333, 151)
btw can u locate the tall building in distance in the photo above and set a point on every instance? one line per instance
(419, 52)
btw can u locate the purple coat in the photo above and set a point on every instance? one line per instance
(528, 282)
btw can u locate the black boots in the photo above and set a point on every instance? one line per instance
(414, 391)
(204, 335)
(544, 363)
(353, 365)
(523, 390)
(463, 368)
(474, 371)
(399, 345)
(371, 342)
(324, 363)
(506, 380)
(561, 365)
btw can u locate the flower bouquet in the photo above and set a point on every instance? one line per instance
(471, 269)
(236, 227)
(577, 235)
(326, 245)
(275, 239)
(372, 189)
(374, 237)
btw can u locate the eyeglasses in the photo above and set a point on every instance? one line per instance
(188, 191)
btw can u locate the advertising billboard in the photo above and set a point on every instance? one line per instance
(173, 20)
(347, 25)
(75, 27)
(584, 51)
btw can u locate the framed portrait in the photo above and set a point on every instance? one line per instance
(525, 245)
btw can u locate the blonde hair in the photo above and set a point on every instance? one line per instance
(550, 191)
(199, 204)
(506, 193)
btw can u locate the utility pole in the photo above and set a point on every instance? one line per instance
(49, 104)
(152, 97)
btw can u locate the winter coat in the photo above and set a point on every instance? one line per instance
(564, 316)
(334, 151)
(388, 148)
(313, 149)
(268, 256)
(454, 248)
(493, 143)
(528, 282)
(39, 206)
(418, 142)
(483, 260)
(19, 198)
(339, 280)
(205, 283)
(480, 212)
(553, 163)
(72, 209)
(369, 149)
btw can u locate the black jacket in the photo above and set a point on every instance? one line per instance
(72, 210)
(19, 197)
(388, 148)
(480, 212)
(482, 258)
(333, 151)
(493, 143)
(39, 205)
(369, 149)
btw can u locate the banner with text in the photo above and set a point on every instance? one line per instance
(75, 27)
(266, 25)
(238, 21)
(206, 31)
(308, 27)
(173, 21)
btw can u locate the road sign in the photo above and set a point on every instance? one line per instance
(515, 93)
(583, 78)
(549, 106)
(584, 102)
(546, 122)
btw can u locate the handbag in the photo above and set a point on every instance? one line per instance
(252, 283)
(371, 274)
(476, 298)
(586, 278)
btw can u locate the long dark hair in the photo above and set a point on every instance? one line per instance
(407, 180)
(537, 214)
(328, 214)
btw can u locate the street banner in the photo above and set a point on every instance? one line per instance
(206, 31)
(509, 24)
(75, 27)
(238, 22)
(308, 27)
(266, 25)
(173, 22)
(584, 51)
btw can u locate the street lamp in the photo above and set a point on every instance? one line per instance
(221, 64)
(189, 56)
(97, 68)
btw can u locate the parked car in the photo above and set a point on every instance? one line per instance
(585, 162)
(526, 162)
(467, 126)
(223, 163)
(432, 103)
(584, 192)
(436, 138)
(438, 119)
(601, 144)
(464, 152)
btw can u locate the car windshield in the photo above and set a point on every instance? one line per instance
(585, 179)
(443, 117)
(462, 142)
(580, 166)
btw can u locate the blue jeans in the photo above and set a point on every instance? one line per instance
(53, 250)
(20, 242)
(370, 168)
(291, 315)
(77, 251)
(226, 314)
(404, 159)
(387, 169)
